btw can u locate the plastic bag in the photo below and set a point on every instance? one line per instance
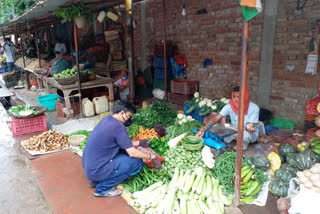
(303, 200)
(149, 162)
(281, 122)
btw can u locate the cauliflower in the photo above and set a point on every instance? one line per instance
(223, 99)
(189, 118)
(202, 103)
(205, 99)
(196, 95)
(180, 116)
(214, 107)
(226, 101)
(184, 120)
(180, 122)
(198, 100)
(209, 104)
(209, 101)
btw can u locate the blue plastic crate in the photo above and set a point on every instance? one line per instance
(195, 114)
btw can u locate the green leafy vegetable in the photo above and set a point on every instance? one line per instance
(176, 129)
(133, 130)
(22, 110)
(156, 113)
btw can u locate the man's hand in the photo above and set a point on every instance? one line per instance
(250, 127)
(200, 133)
(156, 163)
(135, 143)
(144, 143)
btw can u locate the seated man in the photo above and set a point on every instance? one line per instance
(251, 118)
(122, 84)
(109, 156)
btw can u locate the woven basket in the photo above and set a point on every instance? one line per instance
(40, 109)
(72, 80)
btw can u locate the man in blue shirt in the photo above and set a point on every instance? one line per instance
(109, 156)
(251, 118)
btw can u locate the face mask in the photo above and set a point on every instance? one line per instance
(127, 122)
(9, 43)
(125, 78)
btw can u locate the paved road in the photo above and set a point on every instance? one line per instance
(19, 192)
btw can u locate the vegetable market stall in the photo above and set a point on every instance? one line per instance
(191, 178)
(67, 89)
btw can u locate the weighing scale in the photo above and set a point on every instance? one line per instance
(214, 136)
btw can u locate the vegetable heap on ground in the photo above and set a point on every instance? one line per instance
(156, 113)
(182, 125)
(47, 141)
(144, 179)
(147, 133)
(292, 163)
(190, 191)
(133, 130)
(22, 110)
(160, 146)
(225, 167)
(250, 185)
(205, 106)
(81, 132)
(181, 158)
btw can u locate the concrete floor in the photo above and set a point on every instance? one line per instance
(19, 192)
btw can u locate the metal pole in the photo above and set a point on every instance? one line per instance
(130, 56)
(75, 34)
(244, 63)
(164, 46)
(37, 45)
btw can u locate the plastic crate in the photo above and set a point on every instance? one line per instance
(311, 107)
(75, 107)
(195, 114)
(180, 99)
(182, 86)
(24, 126)
(311, 133)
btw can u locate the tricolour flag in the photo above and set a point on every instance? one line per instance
(250, 8)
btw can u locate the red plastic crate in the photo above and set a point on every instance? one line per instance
(311, 133)
(311, 107)
(24, 126)
(180, 99)
(75, 107)
(182, 86)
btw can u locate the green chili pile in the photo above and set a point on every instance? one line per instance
(145, 178)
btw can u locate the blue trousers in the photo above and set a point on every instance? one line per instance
(125, 167)
(10, 66)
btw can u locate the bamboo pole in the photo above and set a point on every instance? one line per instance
(75, 34)
(244, 64)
